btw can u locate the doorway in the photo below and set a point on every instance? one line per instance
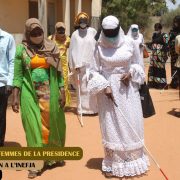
(33, 9)
(51, 18)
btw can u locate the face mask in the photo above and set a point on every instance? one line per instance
(61, 30)
(83, 25)
(37, 40)
(134, 34)
(111, 39)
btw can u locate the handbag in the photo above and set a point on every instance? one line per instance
(146, 101)
(145, 53)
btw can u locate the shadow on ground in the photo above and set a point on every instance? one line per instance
(94, 163)
(175, 112)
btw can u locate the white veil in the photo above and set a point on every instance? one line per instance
(130, 31)
(111, 22)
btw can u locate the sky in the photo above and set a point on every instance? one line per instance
(171, 5)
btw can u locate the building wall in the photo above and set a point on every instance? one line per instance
(86, 7)
(13, 14)
(59, 10)
(96, 13)
(96, 8)
(72, 15)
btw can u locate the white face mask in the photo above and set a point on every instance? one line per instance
(37, 40)
(111, 39)
(134, 34)
(83, 25)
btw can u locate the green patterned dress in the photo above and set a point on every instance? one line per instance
(39, 95)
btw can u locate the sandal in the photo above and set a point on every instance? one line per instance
(54, 164)
(33, 174)
(108, 174)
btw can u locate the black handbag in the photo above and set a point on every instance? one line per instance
(146, 101)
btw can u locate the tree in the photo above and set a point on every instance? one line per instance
(167, 18)
(133, 11)
(128, 11)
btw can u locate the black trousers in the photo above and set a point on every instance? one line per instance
(3, 108)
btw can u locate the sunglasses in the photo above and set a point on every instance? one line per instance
(83, 20)
(36, 32)
(111, 32)
(134, 30)
(61, 30)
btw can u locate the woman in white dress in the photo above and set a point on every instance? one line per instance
(138, 38)
(80, 57)
(115, 78)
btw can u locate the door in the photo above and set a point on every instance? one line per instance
(51, 18)
(33, 9)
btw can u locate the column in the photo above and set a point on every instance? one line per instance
(96, 13)
(78, 6)
(42, 13)
(66, 15)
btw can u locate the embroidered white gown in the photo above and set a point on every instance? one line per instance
(124, 155)
(81, 53)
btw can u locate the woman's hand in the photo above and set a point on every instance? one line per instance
(62, 99)
(108, 93)
(126, 78)
(141, 45)
(15, 101)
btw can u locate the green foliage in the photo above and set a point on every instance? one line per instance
(167, 19)
(128, 11)
(159, 8)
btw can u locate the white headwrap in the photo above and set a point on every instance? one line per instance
(111, 22)
(130, 31)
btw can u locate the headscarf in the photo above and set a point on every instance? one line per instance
(60, 24)
(79, 16)
(47, 48)
(111, 22)
(130, 31)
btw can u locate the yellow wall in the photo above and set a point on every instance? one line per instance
(13, 14)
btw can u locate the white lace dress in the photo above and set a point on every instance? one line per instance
(124, 155)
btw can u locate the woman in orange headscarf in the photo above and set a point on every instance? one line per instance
(80, 57)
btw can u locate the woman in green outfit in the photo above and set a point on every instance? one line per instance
(38, 83)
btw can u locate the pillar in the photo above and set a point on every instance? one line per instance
(42, 13)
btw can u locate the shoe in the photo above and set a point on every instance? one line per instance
(108, 174)
(33, 174)
(54, 164)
